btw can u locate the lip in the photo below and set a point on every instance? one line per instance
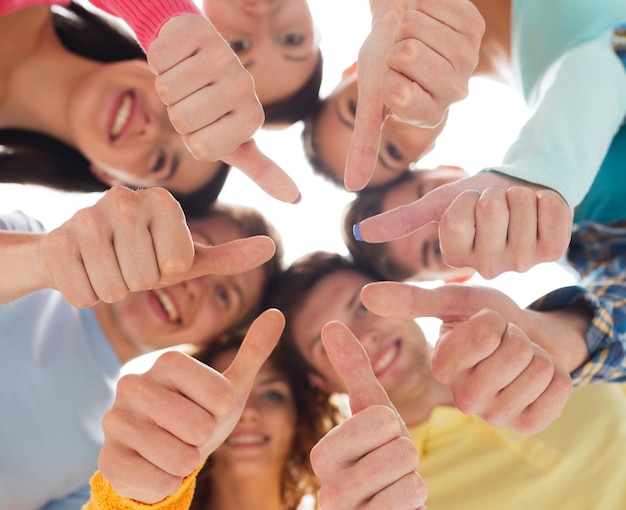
(160, 300)
(123, 112)
(386, 358)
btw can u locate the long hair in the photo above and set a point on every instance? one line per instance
(30, 157)
(315, 416)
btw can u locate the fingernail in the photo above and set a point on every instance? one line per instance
(356, 232)
(299, 199)
(479, 191)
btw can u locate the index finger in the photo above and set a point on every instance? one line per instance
(363, 150)
(264, 172)
(262, 337)
(352, 364)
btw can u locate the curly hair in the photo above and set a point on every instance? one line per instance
(315, 416)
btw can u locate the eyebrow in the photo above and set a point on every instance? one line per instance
(173, 167)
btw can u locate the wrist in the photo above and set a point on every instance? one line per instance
(561, 333)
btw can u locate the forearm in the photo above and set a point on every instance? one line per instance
(562, 334)
(20, 267)
(146, 17)
(579, 109)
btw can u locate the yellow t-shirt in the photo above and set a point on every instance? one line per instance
(578, 462)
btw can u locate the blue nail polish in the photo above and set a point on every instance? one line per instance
(356, 232)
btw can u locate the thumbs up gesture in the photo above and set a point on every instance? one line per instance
(368, 461)
(500, 362)
(165, 422)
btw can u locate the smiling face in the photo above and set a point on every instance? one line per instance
(191, 312)
(398, 350)
(419, 251)
(275, 40)
(262, 439)
(120, 125)
(400, 145)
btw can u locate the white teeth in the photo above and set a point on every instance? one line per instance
(167, 304)
(245, 440)
(384, 362)
(123, 113)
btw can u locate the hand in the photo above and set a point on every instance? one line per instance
(415, 63)
(131, 241)
(349, 459)
(507, 226)
(211, 100)
(165, 422)
(484, 354)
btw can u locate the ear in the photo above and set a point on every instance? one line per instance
(317, 381)
(105, 177)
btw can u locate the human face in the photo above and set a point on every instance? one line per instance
(398, 350)
(420, 250)
(120, 125)
(263, 438)
(194, 311)
(400, 145)
(275, 40)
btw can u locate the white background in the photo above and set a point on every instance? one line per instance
(478, 133)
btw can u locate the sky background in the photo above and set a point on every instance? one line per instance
(478, 132)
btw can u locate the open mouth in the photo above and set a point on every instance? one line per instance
(168, 305)
(122, 116)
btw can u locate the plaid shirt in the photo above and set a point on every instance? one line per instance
(598, 252)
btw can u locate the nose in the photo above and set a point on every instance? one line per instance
(250, 410)
(259, 8)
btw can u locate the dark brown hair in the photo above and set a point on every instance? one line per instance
(316, 415)
(373, 256)
(30, 157)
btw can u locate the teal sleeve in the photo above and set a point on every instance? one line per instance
(580, 107)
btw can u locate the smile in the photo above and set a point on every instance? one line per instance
(168, 305)
(122, 116)
(386, 359)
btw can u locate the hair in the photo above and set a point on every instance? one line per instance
(315, 416)
(29, 157)
(253, 223)
(293, 286)
(373, 256)
(299, 104)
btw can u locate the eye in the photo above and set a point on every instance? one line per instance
(239, 46)
(159, 164)
(393, 152)
(275, 396)
(361, 310)
(352, 107)
(292, 39)
(222, 294)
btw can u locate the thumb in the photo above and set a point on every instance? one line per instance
(261, 169)
(450, 303)
(353, 365)
(234, 257)
(403, 220)
(363, 151)
(260, 341)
